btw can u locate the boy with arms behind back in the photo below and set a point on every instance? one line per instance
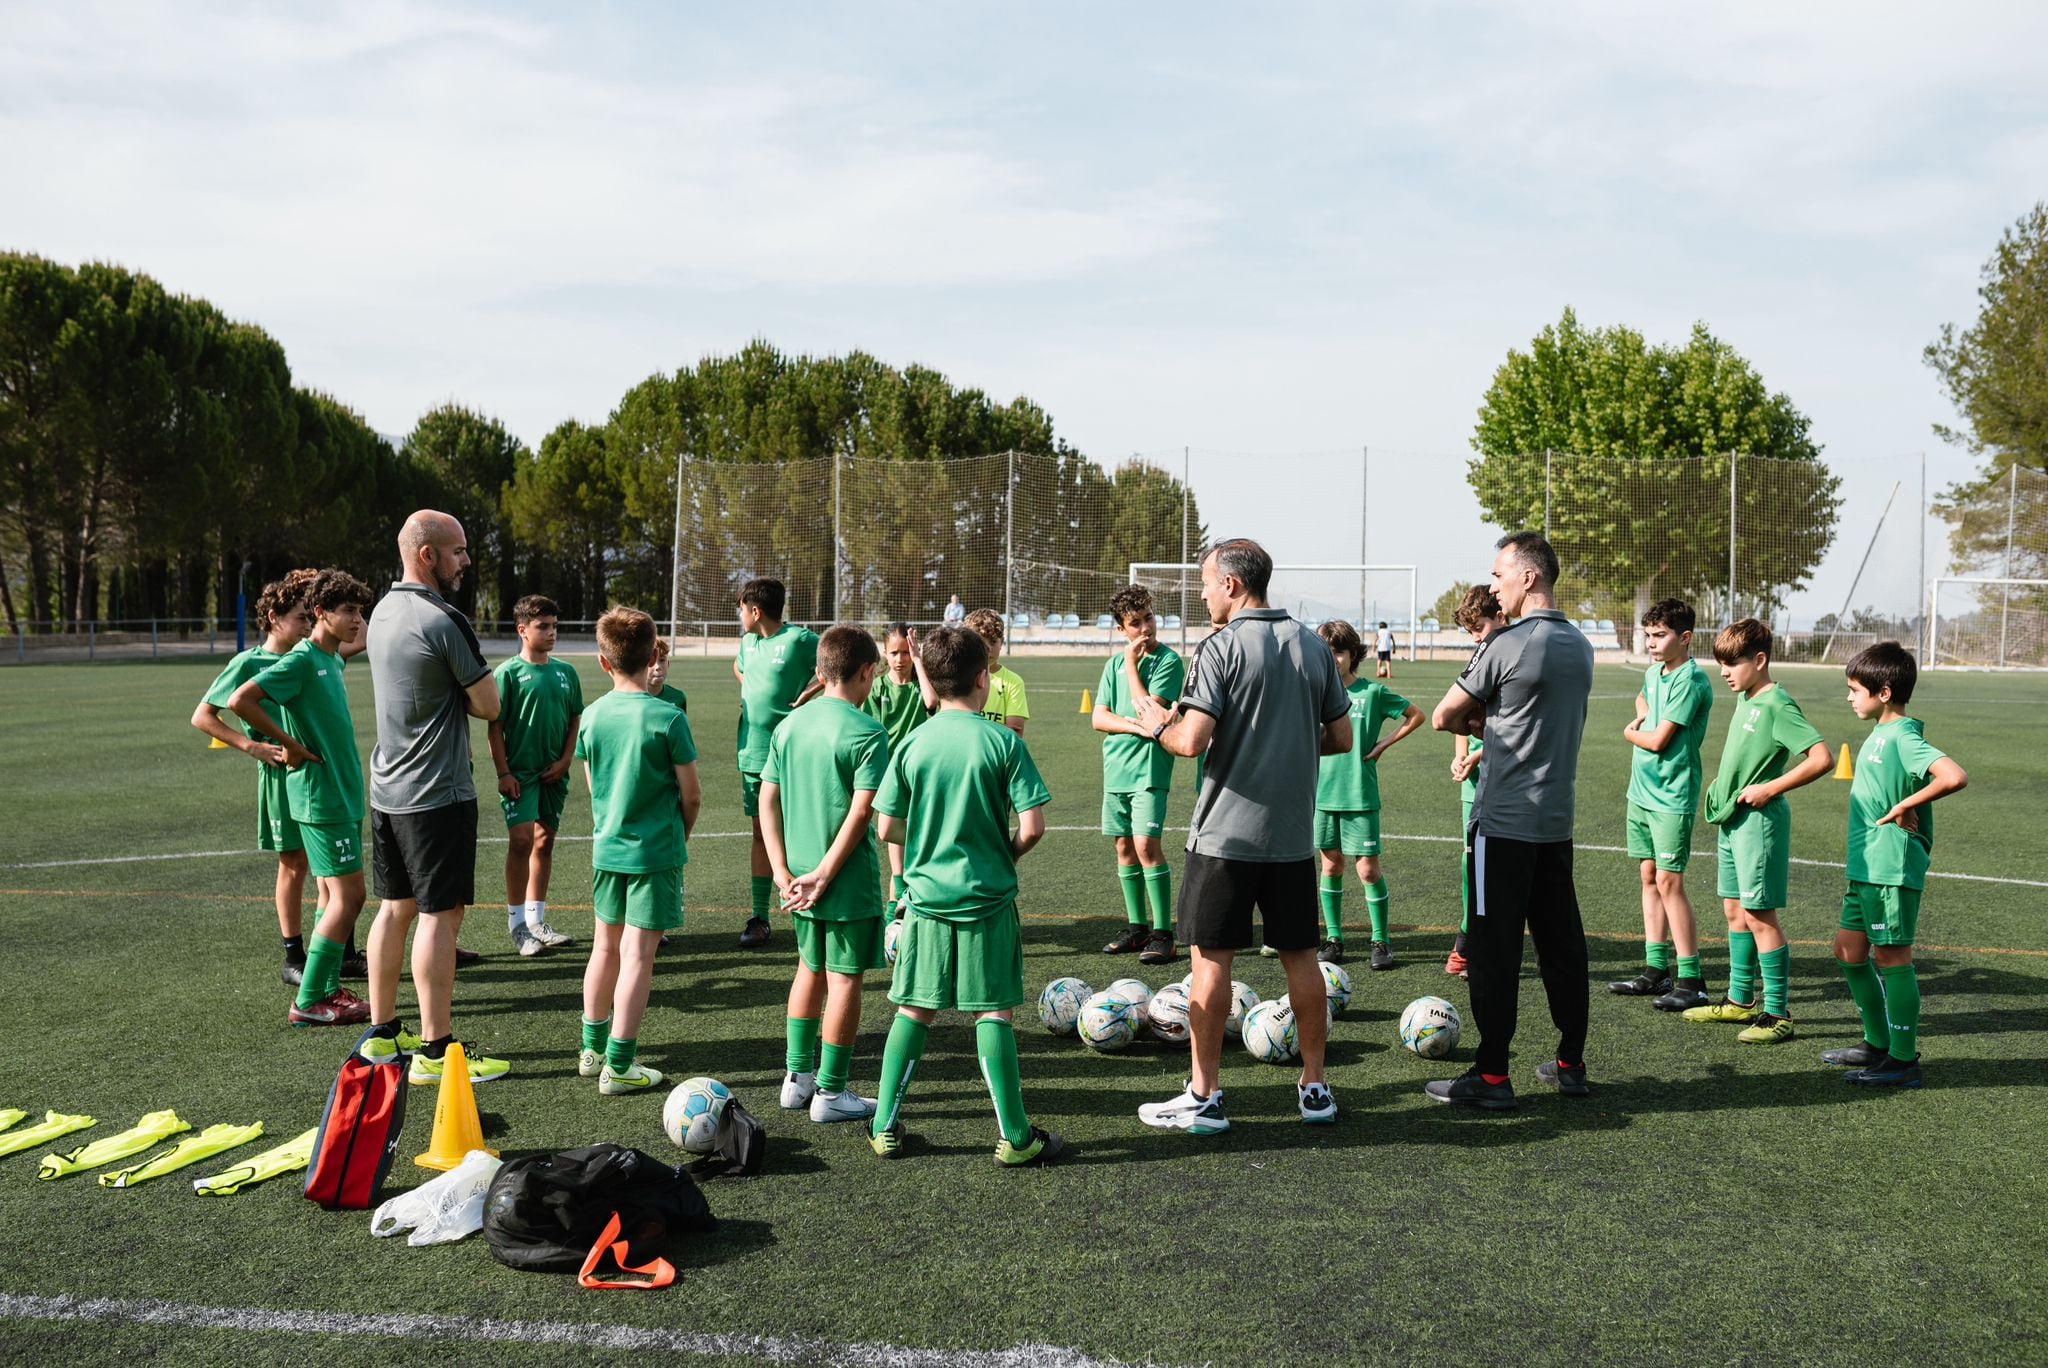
(1137, 775)
(533, 742)
(1479, 615)
(777, 668)
(898, 702)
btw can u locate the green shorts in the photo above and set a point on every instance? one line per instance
(537, 802)
(1350, 833)
(1754, 850)
(1886, 913)
(1134, 814)
(275, 828)
(1665, 837)
(333, 848)
(975, 966)
(650, 900)
(750, 794)
(840, 947)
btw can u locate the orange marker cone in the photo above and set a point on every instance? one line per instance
(457, 1127)
(1845, 768)
(1087, 701)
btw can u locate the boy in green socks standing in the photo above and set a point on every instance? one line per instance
(1348, 798)
(324, 786)
(1663, 798)
(830, 757)
(1754, 844)
(777, 668)
(641, 764)
(898, 702)
(947, 800)
(1137, 775)
(533, 742)
(1479, 615)
(1891, 839)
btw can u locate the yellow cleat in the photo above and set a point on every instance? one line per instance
(1767, 1030)
(1734, 1013)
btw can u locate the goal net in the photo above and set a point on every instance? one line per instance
(1988, 624)
(1363, 595)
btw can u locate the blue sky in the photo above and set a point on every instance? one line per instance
(1280, 234)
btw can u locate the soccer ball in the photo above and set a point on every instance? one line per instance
(1108, 1022)
(692, 1113)
(1136, 993)
(1242, 1000)
(1337, 983)
(1430, 1027)
(1059, 1006)
(1167, 1014)
(892, 938)
(1269, 1032)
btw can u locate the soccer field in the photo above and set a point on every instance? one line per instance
(1711, 1202)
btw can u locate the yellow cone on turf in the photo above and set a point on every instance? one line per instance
(457, 1127)
(217, 744)
(1087, 701)
(1845, 768)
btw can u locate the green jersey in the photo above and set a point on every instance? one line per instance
(773, 671)
(313, 710)
(243, 668)
(1669, 780)
(1768, 730)
(1005, 696)
(1468, 791)
(954, 784)
(1350, 782)
(537, 704)
(827, 751)
(671, 694)
(632, 743)
(1892, 766)
(898, 707)
(1132, 764)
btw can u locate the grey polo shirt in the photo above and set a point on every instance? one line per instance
(1534, 678)
(1272, 685)
(423, 655)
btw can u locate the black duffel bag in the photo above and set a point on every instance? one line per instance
(545, 1211)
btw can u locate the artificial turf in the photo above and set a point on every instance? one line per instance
(1710, 1202)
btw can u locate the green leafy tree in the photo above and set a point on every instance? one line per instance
(1445, 609)
(565, 502)
(474, 459)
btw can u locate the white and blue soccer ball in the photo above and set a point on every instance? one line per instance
(892, 937)
(1242, 1000)
(1135, 992)
(1270, 1034)
(1108, 1022)
(1430, 1027)
(693, 1111)
(1337, 983)
(1059, 1006)
(1166, 1016)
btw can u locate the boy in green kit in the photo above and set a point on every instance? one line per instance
(533, 743)
(1754, 844)
(324, 787)
(1005, 702)
(1891, 839)
(1348, 798)
(947, 801)
(830, 758)
(640, 762)
(1479, 615)
(1663, 798)
(777, 668)
(1137, 775)
(898, 702)
(657, 678)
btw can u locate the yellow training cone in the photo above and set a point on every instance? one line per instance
(1846, 768)
(457, 1127)
(217, 744)
(1087, 701)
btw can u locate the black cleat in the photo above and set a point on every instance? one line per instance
(1861, 1055)
(1382, 955)
(1329, 952)
(754, 934)
(1158, 949)
(355, 966)
(1129, 939)
(1888, 1073)
(1681, 998)
(294, 974)
(1648, 982)
(1472, 1090)
(1568, 1079)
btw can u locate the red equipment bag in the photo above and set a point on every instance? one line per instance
(359, 1133)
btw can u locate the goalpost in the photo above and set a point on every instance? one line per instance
(1987, 623)
(1363, 594)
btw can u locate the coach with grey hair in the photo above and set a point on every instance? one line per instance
(1264, 703)
(1525, 690)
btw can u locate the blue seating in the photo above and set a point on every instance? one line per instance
(1105, 623)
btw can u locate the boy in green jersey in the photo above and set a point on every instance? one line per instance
(533, 743)
(1891, 838)
(640, 762)
(1137, 775)
(324, 786)
(1754, 844)
(777, 668)
(1005, 702)
(899, 702)
(1348, 798)
(829, 757)
(657, 678)
(282, 616)
(1663, 798)
(947, 800)
(1479, 615)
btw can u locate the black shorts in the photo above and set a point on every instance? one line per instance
(428, 857)
(1217, 897)
(1386, 655)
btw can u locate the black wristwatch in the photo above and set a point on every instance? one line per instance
(1160, 730)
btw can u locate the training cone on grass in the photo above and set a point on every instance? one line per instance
(217, 744)
(457, 1127)
(1845, 768)
(1087, 701)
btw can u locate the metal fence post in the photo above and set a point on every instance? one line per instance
(2012, 496)
(92, 640)
(1734, 461)
(1009, 534)
(152, 638)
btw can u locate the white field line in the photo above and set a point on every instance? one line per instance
(479, 1330)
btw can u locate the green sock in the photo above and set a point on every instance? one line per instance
(1902, 1011)
(1689, 968)
(620, 1054)
(1330, 892)
(322, 974)
(1376, 908)
(1868, 992)
(1131, 879)
(1159, 897)
(1742, 967)
(834, 1063)
(899, 1065)
(764, 891)
(802, 1054)
(996, 1043)
(596, 1034)
(1777, 967)
(1657, 954)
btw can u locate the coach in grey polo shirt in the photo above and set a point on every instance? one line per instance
(1527, 687)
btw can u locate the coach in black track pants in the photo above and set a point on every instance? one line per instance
(1527, 687)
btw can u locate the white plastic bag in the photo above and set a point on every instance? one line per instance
(445, 1209)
